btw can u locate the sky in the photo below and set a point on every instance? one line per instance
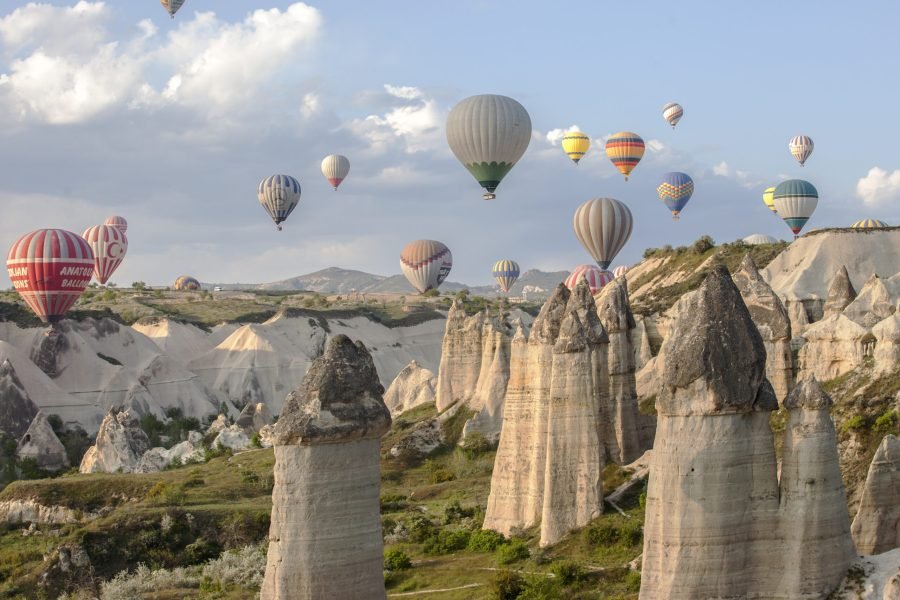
(113, 108)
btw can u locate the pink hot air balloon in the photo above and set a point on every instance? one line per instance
(50, 268)
(118, 222)
(596, 277)
(619, 271)
(109, 245)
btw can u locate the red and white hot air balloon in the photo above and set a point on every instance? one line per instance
(619, 271)
(109, 245)
(50, 268)
(596, 277)
(118, 222)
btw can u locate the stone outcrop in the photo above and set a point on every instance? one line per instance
(643, 351)
(887, 345)
(840, 293)
(253, 418)
(833, 347)
(872, 304)
(872, 578)
(461, 352)
(40, 444)
(233, 437)
(798, 317)
(157, 459)
(493, 377)
(325, 538)
(876, 528)
(719, 524)
(620, 414)
(773, 323)
(413, 386)
(120, 445)
(17, 411)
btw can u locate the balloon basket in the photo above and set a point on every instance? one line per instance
(489, 196)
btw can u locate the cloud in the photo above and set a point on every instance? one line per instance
(555, 136)
(879, 187)
(743, 178)
(416, 126)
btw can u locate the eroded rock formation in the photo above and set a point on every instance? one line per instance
(253, 418)
(120, 445)
(872, 304)
(460, 357)
(887, 345)
(40, 444)
(17, 411)
(876, 528)
(840, 293)
(325, 536)
(413, 386)
(834, 346)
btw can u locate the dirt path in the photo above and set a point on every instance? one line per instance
(416, 593)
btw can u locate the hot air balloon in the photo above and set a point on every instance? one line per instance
(426, 264)
(672, 113)
(603, 226)
(118, 222)
(186, 282)
(796, 200)
(50, 268)
(675, 189)
(335, 168)
(759, 238)
(279, 195)
(625, 150)
(109, 246)
(769, 200)
(488, 134)
(619, 271)
(576, 144)
(596, 277)
(801, 146)
(869, 224)
(171, 6)
(506, 272)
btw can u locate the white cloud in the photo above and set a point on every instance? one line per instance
(722, 169)
(415, 127)
(879, 187)
(405, 92)
(54, 29)
(555, 136)
(744, 179)
(655, 146)
(311, 104)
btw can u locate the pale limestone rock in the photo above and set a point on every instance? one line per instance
(232, 437)
(220, 423)
(157, 459)
(620, 410)
(887, 345)
(424, 439)
(487, 399)
(833, 347)
(40, 444)
(17, 411)
(325, 538)
(799, 318)
(461, 352)
(413, 386)
(876, 528)
(773, 323)
(643, 351)
(253, 418)
(872, 304)
(31, 511)
(119, 447)
(840, 293)
(267, 436)
(881, 579)
(814, 527)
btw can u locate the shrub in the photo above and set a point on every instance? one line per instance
(455, 513)
(396, 560)
(393, 502)
(447, 541)
(420, 529)
(438, 473)
(476, 445)
(568, 572)
(632, 533)
(256, 440)
(165, 493)
(512, 552)
(507, 585)
(633, 581)
(485, 540)
(601, 534)
(642, 500)
(855, 423)
(702, 245)
(886, 423)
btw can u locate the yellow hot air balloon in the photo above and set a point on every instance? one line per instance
(625, 150)
(576, 144)
(769, 199)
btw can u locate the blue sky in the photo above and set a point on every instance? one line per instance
(114, 108)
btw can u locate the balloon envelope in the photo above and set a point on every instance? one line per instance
(488, 134)
(576, 144)
(426, 264)
(279, 195)
(675, 189)
(759, 238)
(672, 113)
(50, 268)
(801, 146)
(795, 200)
(619, 271)
(335, 168)
(769, 199)
(186, 282)
(109, 246)
(603, 226)
(595, 277)
(171, 6)
(506, 272)
(625, 150)
(118, 222)
(870, 224)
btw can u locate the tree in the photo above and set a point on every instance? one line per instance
(432, 293)
(139, 286)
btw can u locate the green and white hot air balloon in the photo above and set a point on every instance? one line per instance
(488, 134)
(795, 201)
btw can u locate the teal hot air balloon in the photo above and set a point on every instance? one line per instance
(603, 226)
(675, 189)
(506, 272)
(488, 134)
(795, 200)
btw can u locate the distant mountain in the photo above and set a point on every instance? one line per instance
(332, 280)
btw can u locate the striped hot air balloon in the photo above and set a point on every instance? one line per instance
(603, 226)
(118, 222)
(795, 200)
(672, 113)
(279, 195)
(576, 144)
(50, 268)
(335, 168)
(426, 264)
(620, 271)
(171, 6)
(675, 189)
(869, 224)
(488, 134)
(625, 150)
(757, 239)
(186, 282)
(506, 272)
(769, 199)
(596, 277)
(801, 146)
(109, 246)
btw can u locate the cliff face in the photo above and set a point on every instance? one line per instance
(714, 527)
(413, 386)
(461, 352)
(876, 528)
(16, 408)
(119, 447)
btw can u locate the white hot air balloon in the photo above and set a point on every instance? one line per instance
(335, 168)
(801, 146)
(620, 271)
(278, 195)
(109, 245)
(426, 264)
(603, 226)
